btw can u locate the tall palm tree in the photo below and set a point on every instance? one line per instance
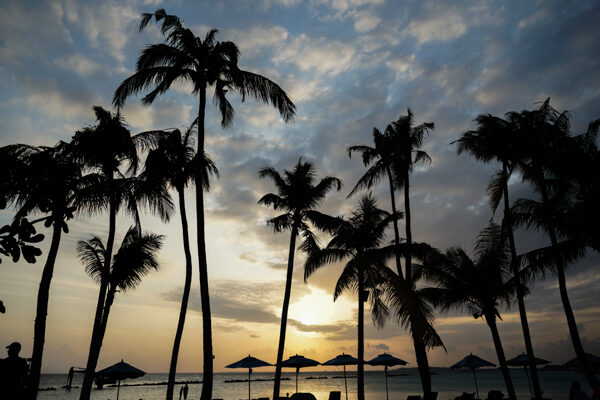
(379, 159)
(174, 164)
(546, 136)
(496, 139)
(297, 196)
(184, 57)
(106, 150)
(135, 258)
(480, 286)
(48, 181)
(406, 140)
(357, 241)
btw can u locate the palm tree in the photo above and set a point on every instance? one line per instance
(406, 140)
(356, 241)
(479, 286)
(135, 258)
(298, 195)
(496, 139)
(547, 140)
(184, 57)
(48, 181)
(379, 159)
(174, 163)
(105, 150)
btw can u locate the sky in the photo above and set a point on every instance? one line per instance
(349, 66)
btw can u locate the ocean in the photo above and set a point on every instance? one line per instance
(449, 383)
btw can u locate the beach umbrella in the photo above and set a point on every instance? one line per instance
(299, 362)
(249, 362)
(473, 362)
(343, 360)
(522, 360)
(121, 371)
(592, 360)
(387, 360)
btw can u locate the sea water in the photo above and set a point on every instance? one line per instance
(449, 383)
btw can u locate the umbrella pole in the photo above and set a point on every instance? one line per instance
(528, 381)
(386, 385)
(297, 371)
(345, 382)
(118, 387)
(476, 388)
(249, 373)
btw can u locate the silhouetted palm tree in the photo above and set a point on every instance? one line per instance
(496, 139)
(379, 159)
(174, 164)
(480, 285)
(47, 180)
(356, 241)
(546, 138)
(105, 149)
(184, 57)
(406, 140)
(135, 258)
(297, 196)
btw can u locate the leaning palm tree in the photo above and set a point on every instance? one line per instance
(495, 139)
(480, 286)
(547, 141)
(173, 163)
(358, 242)
(135, 258)
(110, 153)
(47, 181)
(297, 196)
(186, 58)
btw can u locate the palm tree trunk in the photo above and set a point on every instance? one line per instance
(420, 350)
(207, 348)
(408, 262)
(284, 311)
(490, 318)
(507, 223)
(94, 352)
(564, 296)
(360, 369)
(185, 297)
(423, 364)
(396, 231)
(39, 328)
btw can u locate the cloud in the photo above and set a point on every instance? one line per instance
(442, 27)
(322, 55)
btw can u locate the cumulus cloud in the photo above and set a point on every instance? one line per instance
(322, 55)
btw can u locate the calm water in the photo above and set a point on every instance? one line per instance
(449, 383)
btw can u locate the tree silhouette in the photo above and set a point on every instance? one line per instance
(47, 181)
(297, 196)
(184, 57)
(497, 139)
(106, 150)
(479, 286)
(174, 164)
(135, 258)
(546, 139)
(357, 241)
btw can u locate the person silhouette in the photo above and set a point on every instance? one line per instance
(185, 391)
(13, 373)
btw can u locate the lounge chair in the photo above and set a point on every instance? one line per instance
(336, 395)
(303, 396)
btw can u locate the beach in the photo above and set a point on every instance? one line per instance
(448, 383)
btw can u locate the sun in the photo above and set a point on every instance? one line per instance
(318, 308)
